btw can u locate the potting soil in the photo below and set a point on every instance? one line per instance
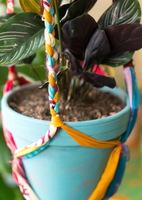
(34, 103)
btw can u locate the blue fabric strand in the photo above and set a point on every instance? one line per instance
(34, 153)
(51, 60)
(135, 103)
(52, 10)
(51, 91)
(49, 27)
(56, 108)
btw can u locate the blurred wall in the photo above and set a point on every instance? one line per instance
(96, 12)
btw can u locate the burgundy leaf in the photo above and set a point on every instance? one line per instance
(76, 34)
(75, 64)
(96, 49)
(126, 37)
(98, 80)
(75, 9)
(63, 9)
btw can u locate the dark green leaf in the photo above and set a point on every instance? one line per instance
(21, 36)
(76, 34)
(75, 9)
(5, 17)
(117, 59)
(121, 12)
(98, 80)
(96, 49)
(28, 60)
(45, 85)
(126, 37)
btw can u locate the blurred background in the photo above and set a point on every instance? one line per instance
(131, 187)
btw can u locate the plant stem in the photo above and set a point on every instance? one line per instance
(36, 73)
(59, 31)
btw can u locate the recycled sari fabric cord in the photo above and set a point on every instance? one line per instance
(111, 174)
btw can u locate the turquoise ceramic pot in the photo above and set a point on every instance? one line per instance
(65, 170)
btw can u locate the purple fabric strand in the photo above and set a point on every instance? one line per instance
(46, 3)
(51, 102)
(55, 87)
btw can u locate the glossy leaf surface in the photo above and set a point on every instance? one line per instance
(96, 49)
(20, 37)
(76, 34)
(75, 64)
(5, 17)
(121, 12)
(31, 6)
(117, 59)
(98, 80)
(126, 37)
(63, 9)
(77, 8)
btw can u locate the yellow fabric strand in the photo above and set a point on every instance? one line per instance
(107, 176)
(51, 80)
(48, 16)
(25, 151)
(49, 49)
(53, 33)
(52, 111)
(87, 141)
(81, 138)
(56, 97)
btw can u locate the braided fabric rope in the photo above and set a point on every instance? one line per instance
(52, 56)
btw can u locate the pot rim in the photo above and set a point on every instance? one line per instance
(105, 120)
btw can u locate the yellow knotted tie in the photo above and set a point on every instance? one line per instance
(87, 141)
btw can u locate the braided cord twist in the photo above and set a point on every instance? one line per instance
(51, 64)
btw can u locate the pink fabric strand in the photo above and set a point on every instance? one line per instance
(10, 6)
(128, 78)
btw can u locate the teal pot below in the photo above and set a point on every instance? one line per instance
(65, 170)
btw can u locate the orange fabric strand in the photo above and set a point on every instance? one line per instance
(49, 49)
(87, 141)
(53, 33)
(51, 80)
(107, 176)
(48, 16)
(56, 97)
(81, 138)
(52, 111)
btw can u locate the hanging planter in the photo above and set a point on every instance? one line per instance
(65, 167)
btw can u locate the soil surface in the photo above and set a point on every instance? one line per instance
(34, 103)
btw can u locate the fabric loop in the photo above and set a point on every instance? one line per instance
(81, 138)
(107, 176)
